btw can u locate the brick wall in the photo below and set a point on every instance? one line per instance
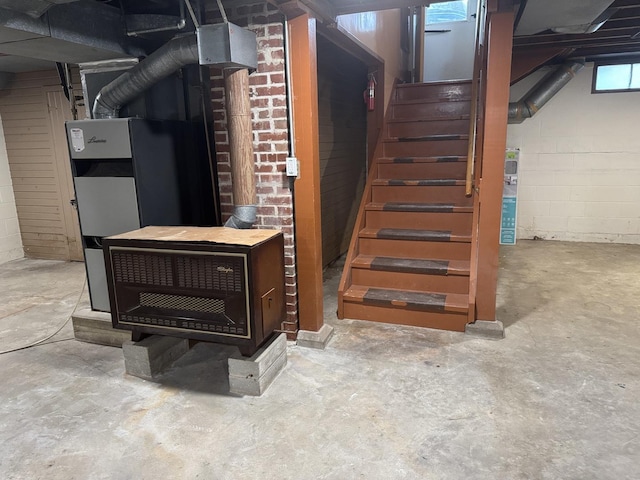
(10, 240)
(270, 136)
(580, 166)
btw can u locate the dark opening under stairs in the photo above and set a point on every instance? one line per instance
(409, 257)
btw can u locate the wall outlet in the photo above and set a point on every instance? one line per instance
(292, 167)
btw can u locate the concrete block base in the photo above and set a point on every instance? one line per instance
(319, 339)
(484, 328)
(150, 356)
(95, 327)
(253, 375)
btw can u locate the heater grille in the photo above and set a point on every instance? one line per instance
(142, 269)
(181, 302)
(219, 273)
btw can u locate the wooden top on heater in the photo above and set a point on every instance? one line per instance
(224, 235)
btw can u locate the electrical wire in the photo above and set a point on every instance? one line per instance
(64, 324)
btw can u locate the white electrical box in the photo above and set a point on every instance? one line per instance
(292, 167)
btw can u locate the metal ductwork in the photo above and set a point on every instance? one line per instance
(71, 32)
(224, 45)
(538, 97)
(33, 8)
(172, 56)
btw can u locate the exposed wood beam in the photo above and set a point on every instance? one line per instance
(356, 6)
(615, 51)
(308, 229)
(625, 4)
(499, 40)
(526, 61)
(320, 9)
(576, 40)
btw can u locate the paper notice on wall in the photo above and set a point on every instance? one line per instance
(509, 198)
(77, 139)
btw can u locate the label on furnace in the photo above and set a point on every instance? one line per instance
(77, 139)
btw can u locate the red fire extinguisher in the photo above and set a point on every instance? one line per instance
(370, 93)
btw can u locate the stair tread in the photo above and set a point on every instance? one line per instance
(428, 138)
(418, 207)
(414, 235)
(412, 265)
(419, 101)
(436, 159)
(425, 182)
(408, 299)
(428, 119)
(434, 83)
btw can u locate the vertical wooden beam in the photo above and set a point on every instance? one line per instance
(243, 175)
(304, 85)
(499, 46)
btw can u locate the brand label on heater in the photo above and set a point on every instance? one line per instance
(77, 139)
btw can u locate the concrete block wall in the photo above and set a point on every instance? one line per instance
(10, 240)
(270, 136)
(579, 176)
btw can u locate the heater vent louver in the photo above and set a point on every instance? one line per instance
(143, 269)
(181, 302)
(223, 274)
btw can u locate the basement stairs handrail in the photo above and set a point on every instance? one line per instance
(475, 91)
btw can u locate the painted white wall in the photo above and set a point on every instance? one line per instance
(10, 240)
(579, 173)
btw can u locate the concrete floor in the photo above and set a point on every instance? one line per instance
(556, 399)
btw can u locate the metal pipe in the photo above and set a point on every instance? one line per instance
(172, 56)
(287, 72)
(192, 14)
(180, 24)
(541, 94)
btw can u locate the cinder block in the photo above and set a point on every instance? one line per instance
(484, 328)
(253, 375)
(149, 357)
(318, 339)
(96, 327)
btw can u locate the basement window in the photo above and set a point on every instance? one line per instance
(620, 77)
(445, 12)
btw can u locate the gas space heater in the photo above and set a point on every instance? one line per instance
(215, 284)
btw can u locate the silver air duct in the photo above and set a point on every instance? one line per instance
(172, 56)
(541, 94)
(223, 45)
(244, 216)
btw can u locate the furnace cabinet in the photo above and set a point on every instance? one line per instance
(132, 172)
(215, 284)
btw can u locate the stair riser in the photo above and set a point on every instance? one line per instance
(418, 129)
(417, 171)
(426, 149)
(415, 249)
(441, 321)
(432, 91)
(457, 223)
(410, 194)
(410, 281)
(441, 109)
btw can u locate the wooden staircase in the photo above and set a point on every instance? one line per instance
(409, 258)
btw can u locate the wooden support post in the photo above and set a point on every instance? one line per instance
(304, 82)
(499, 45)
(243, 176)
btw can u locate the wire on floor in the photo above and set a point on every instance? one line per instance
(64, 324)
